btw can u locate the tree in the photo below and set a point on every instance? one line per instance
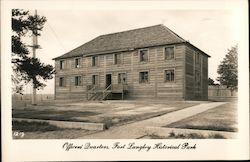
(210, 81)
(25, 68)
(228, 69)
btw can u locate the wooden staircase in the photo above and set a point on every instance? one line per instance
(97, 94)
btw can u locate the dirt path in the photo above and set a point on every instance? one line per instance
(137, 129)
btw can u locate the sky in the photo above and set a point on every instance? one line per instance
(212, 31)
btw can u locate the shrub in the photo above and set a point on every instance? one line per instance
(194, 136)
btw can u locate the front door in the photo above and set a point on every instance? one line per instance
(108, 79)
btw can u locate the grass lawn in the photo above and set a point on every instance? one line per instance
(112, 114)
(25, 126)
(51, 114)
(221, 118)
(43, 130)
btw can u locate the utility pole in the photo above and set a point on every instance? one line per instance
(34, 47)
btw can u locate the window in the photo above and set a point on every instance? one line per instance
(122, 78)
(62, 64)
(169, 75)
(94, 79)
(197, 80)
(143, 77)
(169, 53)
(197, 77)
(61, 82)
(77, 62)
(143, 55)
(117, 59)
(78, 81)
(94, 61)
(197, 58)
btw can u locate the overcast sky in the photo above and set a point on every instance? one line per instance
(213, 31)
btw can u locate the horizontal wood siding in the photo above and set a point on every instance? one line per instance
(205, 78)
(131, 65)
(70, 91)
(193, 91)
(189, 80)
(170, 89)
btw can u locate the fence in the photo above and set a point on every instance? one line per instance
(24, 100)
(221, 93)
(39, 97)
(215, 93)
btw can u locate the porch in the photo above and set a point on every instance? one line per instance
(95, 92)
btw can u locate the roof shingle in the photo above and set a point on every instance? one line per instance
(122, 41)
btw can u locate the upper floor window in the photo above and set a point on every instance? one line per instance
(78, 80)
(169, 75)
(62, 82)
(77, 62)
(62, 64)
(94, 60)
(117, 59)
(197, 58)
(169, 53)
(143, 77)
(143, 54)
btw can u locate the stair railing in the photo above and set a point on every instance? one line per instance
(105, 92)
(92, 91)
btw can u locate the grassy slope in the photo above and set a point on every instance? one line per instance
(222, 118)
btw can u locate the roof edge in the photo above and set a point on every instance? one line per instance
(197, 48)
(173, 33)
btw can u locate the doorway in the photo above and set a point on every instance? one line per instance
(108, 80)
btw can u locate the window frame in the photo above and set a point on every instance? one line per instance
(79, 81)
(79, 62)
(96, 78)
(139, 55)
(197, 58)
(94, 63)
(62, 66)
(120, 79)
(63, 83)
(197, 77)
(164, 52)
(165, 78)
(115, 59)
(140, 79)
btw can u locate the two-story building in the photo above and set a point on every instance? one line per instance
(150, 62)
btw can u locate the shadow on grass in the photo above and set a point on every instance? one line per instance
(52, 114)
(207, 127)
(33, 126)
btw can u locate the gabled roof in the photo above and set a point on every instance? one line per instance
(126, 40)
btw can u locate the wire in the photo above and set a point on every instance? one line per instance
(54, 33)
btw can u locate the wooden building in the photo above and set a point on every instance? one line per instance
(150, 62)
